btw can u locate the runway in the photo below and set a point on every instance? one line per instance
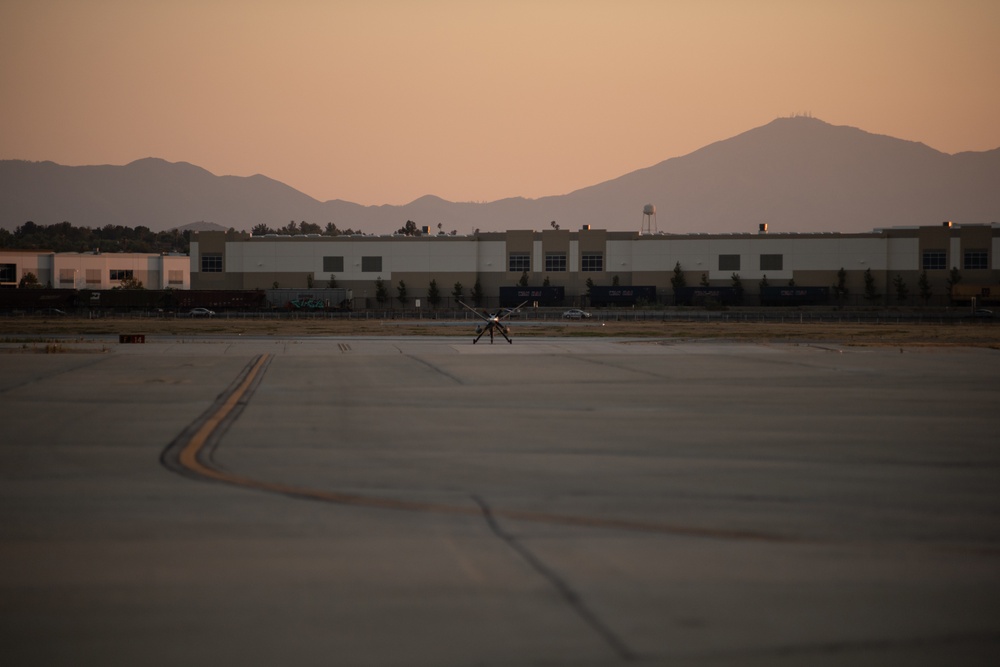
(559, 501)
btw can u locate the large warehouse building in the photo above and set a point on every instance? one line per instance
(573, 262)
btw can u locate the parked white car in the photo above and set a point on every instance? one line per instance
(575, 314)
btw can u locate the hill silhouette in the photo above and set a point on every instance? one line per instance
(796, 174)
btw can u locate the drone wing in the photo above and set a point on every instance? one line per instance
(478, 314)
(511, 311)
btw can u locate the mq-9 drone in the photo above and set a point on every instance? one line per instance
(494, 322)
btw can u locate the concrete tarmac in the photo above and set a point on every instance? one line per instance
(423, 501)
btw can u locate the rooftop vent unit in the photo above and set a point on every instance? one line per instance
(763, 228)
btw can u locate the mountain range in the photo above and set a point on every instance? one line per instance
(796, 174)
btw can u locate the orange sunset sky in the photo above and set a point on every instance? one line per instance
(383, 101)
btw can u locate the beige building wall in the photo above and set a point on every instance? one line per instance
(101, 271)
(15, 264)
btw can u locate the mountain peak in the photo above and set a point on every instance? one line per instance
(799, 119)
(426, 200)
(159, 164)
(148, 162)
(796, 173)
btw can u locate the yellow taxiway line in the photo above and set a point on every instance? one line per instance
(190, 459)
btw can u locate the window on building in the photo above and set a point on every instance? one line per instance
(175, 277)
(67, 276)
(935, 259)
(93, 276)
(519, 262)
(592, 262)
(211, 263)
(8, 273)
(121, 274)
(371, 264)
(730, 262)
(555, 261)
(772, 262)
(333, 264)
(975, 259)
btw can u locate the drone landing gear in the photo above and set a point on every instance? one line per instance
(490, 329)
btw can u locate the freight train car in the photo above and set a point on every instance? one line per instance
(117, 300)
(321, 298)
(219, 300)
(30, 300)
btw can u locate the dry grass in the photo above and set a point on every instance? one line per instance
(960, 333)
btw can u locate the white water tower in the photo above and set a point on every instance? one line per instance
(648, 220)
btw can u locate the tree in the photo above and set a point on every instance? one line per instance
(261, 229)
(791, 282)
(902, 291)
(409, 229)
(130, 283)
(457, 292)
(763, 283)
(840, 289)
(924, 285)
(954, 278)
(381, 292)
(401, 293)
(590, 285)
(545, 283)
(291, 229)
(737, 287)
(677, 281)
(871, 289)
(29, 281)
(310, 228)
(523, 282)
(477, 294)
(332, 283)
(27, 229)
(331, 229)
(433, 295)
(614, 280)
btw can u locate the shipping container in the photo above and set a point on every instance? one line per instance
(511, 297)
(794, 296)
(622, 296)
(707, 296)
